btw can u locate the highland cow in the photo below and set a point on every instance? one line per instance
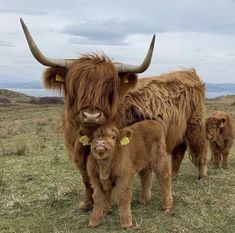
(220, 133)
(116, 156)
(97, 90)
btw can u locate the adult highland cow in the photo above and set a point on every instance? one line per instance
(97, 90)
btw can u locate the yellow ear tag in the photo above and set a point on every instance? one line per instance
(221, 125)
(125, 141)
(84, 140)
(59, 78)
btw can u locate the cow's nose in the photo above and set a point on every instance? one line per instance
(91, 116)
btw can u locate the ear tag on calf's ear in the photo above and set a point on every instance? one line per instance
(221, 125)
(125, 141)
(84, 140)
(59, 78)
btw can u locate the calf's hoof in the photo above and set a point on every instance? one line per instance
(225, 166)
(126, 225)
(144, 200)
(94, 223)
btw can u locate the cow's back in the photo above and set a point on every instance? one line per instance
(174, 97)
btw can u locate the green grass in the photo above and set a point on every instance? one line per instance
(39, 185)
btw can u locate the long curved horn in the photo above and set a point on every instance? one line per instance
(122, 68)
(64, 63)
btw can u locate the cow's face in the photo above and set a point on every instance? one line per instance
(214, 128)
(92, 88)
(92, 84)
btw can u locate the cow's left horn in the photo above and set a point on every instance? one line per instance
(122, 68)
(64, 63)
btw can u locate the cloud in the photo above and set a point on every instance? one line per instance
(112, 31)
(24, 12)
(6, 44)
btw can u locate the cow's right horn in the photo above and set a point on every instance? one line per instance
(65, 63)
(122, 68)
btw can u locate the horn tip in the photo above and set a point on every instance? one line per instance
(22, 22)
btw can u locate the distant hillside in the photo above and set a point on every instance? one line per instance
(23, 85)
(8, 97)
(221, 87)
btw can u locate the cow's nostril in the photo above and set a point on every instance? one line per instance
(85, 115)
(97, 115)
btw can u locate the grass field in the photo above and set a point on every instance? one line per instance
(39, 186)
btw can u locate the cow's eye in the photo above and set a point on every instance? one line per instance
(113, 137)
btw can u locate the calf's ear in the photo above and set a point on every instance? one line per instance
(54, 78)
(125, 136)
(221, 122)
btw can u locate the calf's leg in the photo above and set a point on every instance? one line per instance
(146, 177)
(163, 172)
(123, 196)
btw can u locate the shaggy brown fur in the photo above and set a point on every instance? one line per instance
(92, 82)
(220, 133)
(112, 166)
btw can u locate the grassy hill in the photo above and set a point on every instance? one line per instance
(39, 185)
(8, 97)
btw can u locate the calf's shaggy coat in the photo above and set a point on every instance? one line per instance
(116, 156)
(220, 133)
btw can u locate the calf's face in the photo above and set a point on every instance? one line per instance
(107, 139)
(214, 128)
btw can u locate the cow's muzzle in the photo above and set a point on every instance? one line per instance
(93, 117)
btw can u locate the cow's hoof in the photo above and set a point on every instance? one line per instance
(202, 180)
(82, 208)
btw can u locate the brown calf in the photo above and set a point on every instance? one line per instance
(116, 156)
(220, 133)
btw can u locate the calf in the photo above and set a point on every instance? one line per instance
(116, 156)
(220, 133)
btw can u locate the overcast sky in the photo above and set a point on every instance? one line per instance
(190, 33)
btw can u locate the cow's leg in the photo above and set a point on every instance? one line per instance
(177, 157)
(86, 203)
(146, 177)
(163, 173)
(195, 136)
(80, 160)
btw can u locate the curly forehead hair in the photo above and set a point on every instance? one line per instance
(89, 73)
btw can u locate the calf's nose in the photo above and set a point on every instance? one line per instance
(100, 143)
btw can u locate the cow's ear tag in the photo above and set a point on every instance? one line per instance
(221, 125)
(125, 141)
(84, 140)
(59, 78)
